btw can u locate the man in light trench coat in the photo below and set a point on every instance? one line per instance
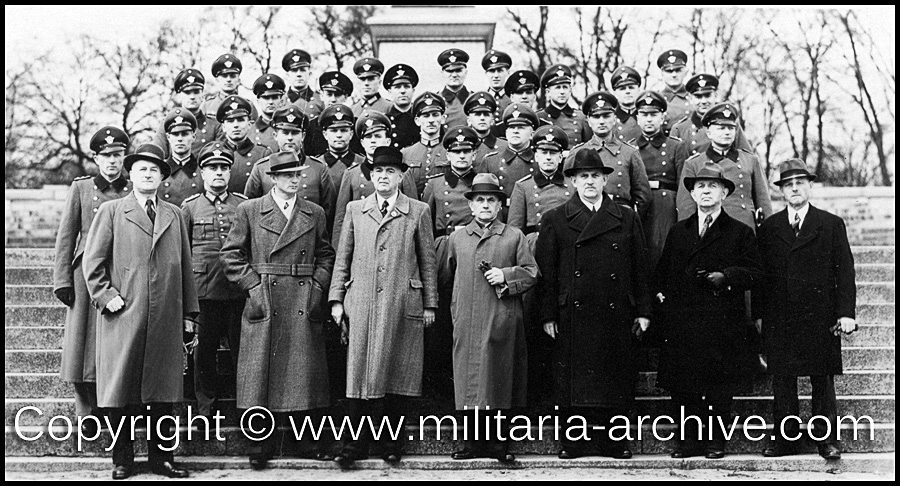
(137, 265)
(385, 286)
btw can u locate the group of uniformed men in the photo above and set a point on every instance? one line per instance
(305, 217)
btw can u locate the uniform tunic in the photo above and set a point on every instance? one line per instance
(282, 364)
(489, 145)
(455, 101)
(628, 183)
(445, 195)
(209, 223)
(375, 103)
(184, 181)
(626, 125)
(490, 363)
(309, 102)
(262, 133)
(208, 130)
(679, 105)
(425, 160)
(533, 196)
(693, 133)
(79, 342)
(509, 166)
(751, 186)
(246, 155)
(503, 101)
(404, 131)
(663, 158)
(315, 185)
(573, 122)
(338, 165)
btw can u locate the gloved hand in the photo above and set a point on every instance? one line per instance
(715, 279)
(66, 295)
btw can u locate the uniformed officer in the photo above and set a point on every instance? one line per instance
(374, 130)
(626, 83)
(208, 216)
(453, 65)
(557, 85)
(673, 65)
(185, 180)
(450, 211)
(739, 165)
(517, 160)
(401, 81)
(335, 88)
(315, 182)
(369, 70)
(703, 89)
(227, 71)
(296, 68)
(479, 109)
(189, 94)
(234, 115)
(521, 86)
(85, 196)
(269, 91)
(627, 184)
(337, 128)
(427, 157)
(496, 65)
(663, 158)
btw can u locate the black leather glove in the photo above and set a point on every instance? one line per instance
(66, 295)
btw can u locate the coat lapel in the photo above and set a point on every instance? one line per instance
(271, 218)
(578, 214)
(783, 227)
(136, 214)
(713, 233)
(401, 208)
(809, 231)
(164, 218)
(608, 218)
(370, 209)
(300, 223)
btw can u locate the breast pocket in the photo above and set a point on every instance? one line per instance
(202, 230)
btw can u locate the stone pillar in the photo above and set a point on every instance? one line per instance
(416, 35)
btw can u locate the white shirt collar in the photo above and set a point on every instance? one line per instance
(391, 201)
(142, 201)
(701, 218)
(285, 205)
(595, 206)
(802, 212)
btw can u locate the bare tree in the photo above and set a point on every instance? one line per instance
(345, 31)
(254, 32)
(599, 49)
(534, 39)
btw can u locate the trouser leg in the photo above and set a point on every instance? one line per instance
(719, 402)
(785, 404)
(213, 321)
(690, 420)
(356, 410)
(161, 438)
(824, 403)
(123, 447)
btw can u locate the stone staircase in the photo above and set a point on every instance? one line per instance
(34, 333)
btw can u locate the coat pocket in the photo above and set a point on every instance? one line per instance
(314, 304)
(561, 299)
(255, 308)
(199, 267)
(414, 305)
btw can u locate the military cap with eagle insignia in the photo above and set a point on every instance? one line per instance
(215, 152)
(336, 81)
(672, 57)
(550, 137)
(556, 74)
(233, 107)
(187, 79)
(225, 64)
(452, 57)
(400, 72)
(428, 102)
(702, 83)
(479, 101)
(517, 115)
(108, 139)
(625, 75)
(178, 119)
(461, 138)
(521, 81)
(599, 102)
(721, 114)
(651, 99)
(295, 58)
(368, 66)
(290, 118)
(336, 116)
(269, 84)
(372, 121)
(494, 59)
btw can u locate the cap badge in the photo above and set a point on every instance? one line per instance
(460, 138)
(726, 113)
(428, 101)
(672, 58)
(516, 113)
(190, 79)
(110, 140)
(269, 84)
(217, 153)
(228, 64)
(701, 82)
(560, 73)
(601, 102)
(179, 120)
(366, 67)
(291, 117)
(521, 80)
(399, 72)
(549, 137)
(481, 101)
(493, 58)
(648, 100)
(296, 58)
(334, 81)
(338, 115)
(369, 122)
(234, 106)
(452, 58)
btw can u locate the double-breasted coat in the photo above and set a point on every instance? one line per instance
(282, 364)
(810, 283)
(385, 274)
(705, 329)
(693, 133)
(139, 347)
(79, 341)
(593, 284)
(490, 361)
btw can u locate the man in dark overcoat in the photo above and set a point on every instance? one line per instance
(707, 264)
(595, 299)
(278, 251)
(808, 300)
(137, 265)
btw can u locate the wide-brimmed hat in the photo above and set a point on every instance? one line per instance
(709, 172)
(587, 159)
(793, 169)
(485, 183)
(285, 162)
(151, 153)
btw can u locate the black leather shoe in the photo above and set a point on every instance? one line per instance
(463, 454)
(259, 461)
(568, 454)
(715, 452)
(391, 457)
(618, 452)
(121, 472)
(168, 469)
(830, 452)
(778, 450)
(505, 458)
(346, 459)
(685, 451)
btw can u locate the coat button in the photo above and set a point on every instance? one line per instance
(612, 306)
(274, 313)
(615, 246)
(578, 245)
(613, 277)
(577, 273)
(302, 283)
(300, 312)
(274, 282)
(577, 304)
(379, 290)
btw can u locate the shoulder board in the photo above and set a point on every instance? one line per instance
(317, 158)
(238, 195)
(82, 178)
(191, 198)
(673, 137)
(491, 154)
(684, 118)
(525, 178)
(211, 96)
(695, 155)
(632, 142)
(741, 149)
(575, 147)
(435, 176)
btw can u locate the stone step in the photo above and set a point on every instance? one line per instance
(881, 464)
(875, 272)
(19, 338)
(192, 443)
(49, 361)
(43, 257)
(874, 293)
(881, 409)
(859, 382)
(879, 335)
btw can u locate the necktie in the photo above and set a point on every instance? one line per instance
(286, 204)
(384, 208)
(796, 225)
(151, 213)
(706, 223)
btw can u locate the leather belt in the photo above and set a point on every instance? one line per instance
(449, 230)
(671, 186)
(293, 270)
(531, 229)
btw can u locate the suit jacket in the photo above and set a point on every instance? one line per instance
(810, 283)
